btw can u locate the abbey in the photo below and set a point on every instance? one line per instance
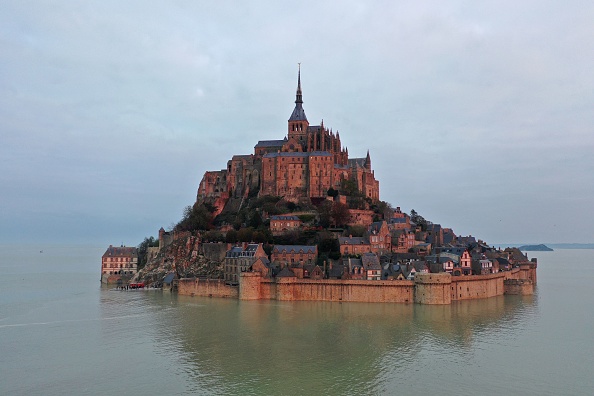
(306, 164)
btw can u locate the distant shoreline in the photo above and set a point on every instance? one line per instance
(551, 245)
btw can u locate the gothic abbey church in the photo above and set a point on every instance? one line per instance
(304, 165)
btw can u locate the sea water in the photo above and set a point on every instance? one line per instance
(62, 332)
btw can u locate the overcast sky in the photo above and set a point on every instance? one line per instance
(478, 115)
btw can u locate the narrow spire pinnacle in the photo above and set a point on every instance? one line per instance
(299, 96)
(298, 113)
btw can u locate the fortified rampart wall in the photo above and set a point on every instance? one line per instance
(206, 288)
(477, 286)
(440, 288)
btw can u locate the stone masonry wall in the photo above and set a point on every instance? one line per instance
(206, 288)
(439, 288)
(476, 286)
(293, 289)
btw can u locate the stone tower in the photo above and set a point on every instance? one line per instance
(298, 123)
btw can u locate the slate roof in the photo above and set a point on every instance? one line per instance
(169, 277)
(320, 154)
(283, 154)
(291, 249)
(398, 220)
(242, 156)
(298, 113)
(121, 251)
(353, 262)
(270, 143)
(276, 217)
(237, 251)
(375, 227)
(457, 250)
(443, 258)
(352, 241)
(370, 261)
(357, 162)
(433, 227)
(285, 273)
(336, 271)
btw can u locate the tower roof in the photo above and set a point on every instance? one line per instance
(298, 113)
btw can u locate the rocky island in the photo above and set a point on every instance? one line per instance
(298, 218)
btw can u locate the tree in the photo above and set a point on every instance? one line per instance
(325, 210)
(231, 236)
(245, 234)
(418, 220)
(357, 230)
(196, 217)
(143, 250)
(340, 214)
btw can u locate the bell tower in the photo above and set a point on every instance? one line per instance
(298, 123)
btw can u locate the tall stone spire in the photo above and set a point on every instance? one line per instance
(298, 113)
(299, 96)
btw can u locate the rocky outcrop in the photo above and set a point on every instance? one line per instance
(188, 257)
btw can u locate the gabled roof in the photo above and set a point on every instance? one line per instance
(375, 227)
(370, 261)
(285, 273)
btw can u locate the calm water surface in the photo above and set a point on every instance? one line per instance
(62, 333)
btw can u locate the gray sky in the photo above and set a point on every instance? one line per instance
(478, 115)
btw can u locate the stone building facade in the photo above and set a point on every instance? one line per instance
(119, 261)
(306, 163)
(283, 223)
(239, 259)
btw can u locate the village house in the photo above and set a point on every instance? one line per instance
(262, 265)
(399, 220)
(355, 268)
(240, 259)
(380, 238)
(294, 255)
(119, 261)
(482, 266)
(312, 271)
(403, 240)
(465, 264)
(371, 266)
(282, 224)
(353, 245)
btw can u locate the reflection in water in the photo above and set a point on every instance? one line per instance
(254, 347)
(60, 332)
